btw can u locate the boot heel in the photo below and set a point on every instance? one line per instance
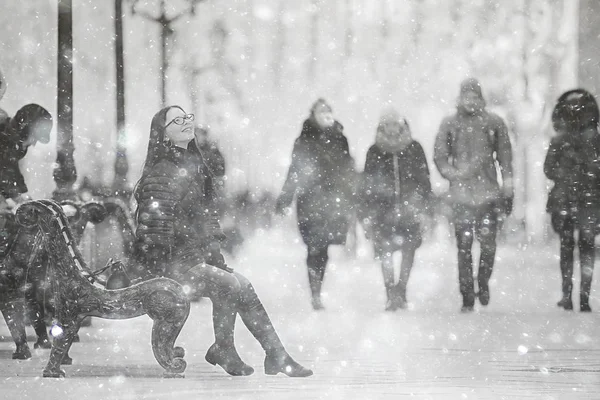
(285, 365)
(271, 370)
(209, 359)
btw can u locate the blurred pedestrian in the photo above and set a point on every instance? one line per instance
(472, 149)
(323, 177)
(178, 237)
(31, 124)
(395, 194)
(573, 163)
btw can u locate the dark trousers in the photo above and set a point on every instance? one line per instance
(480, 222)
(565, 224)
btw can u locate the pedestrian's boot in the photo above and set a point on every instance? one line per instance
(280, 361)
(400, 296)
(468, 304)
(584, 303)
(566, 302)
(228, 358)
(391, 303)
(484, 294)
(315, 290)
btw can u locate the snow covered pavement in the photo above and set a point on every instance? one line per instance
(520, 347)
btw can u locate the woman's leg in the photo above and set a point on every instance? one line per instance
(259, 324)
(316, 262)
(564, 225)
(586, 259)
(387, 270)
(222, 287)
(408, 258)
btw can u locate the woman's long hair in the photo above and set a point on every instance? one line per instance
(157, 148)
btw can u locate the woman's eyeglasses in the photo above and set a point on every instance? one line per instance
(181, 119)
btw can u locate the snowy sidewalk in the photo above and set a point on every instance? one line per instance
(519, 347)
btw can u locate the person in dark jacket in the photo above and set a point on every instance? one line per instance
(178, 237)
(322, 176)
(472, 148)
(31, 124)
(395, 193)
(572, 162)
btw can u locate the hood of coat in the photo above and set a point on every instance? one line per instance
(311, 129)
(470, 99)
(393, 132)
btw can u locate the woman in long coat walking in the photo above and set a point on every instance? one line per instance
(572, 162)
(323, 177)
(395, 193)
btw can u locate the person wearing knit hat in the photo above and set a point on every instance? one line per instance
(394, 194)
(472, 148)
(322, 176)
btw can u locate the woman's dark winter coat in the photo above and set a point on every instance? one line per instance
(574, 165)
(175, 215)
(395, 190)
(323, 177)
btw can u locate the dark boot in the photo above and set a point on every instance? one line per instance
(259, 324)
(223, 352)
(392, 303)
(228, 359)
(484, 294)
(282, 362)
(566, 303)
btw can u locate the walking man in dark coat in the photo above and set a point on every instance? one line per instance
(472, 148)
(322, 175)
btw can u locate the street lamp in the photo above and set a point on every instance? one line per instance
(166, 24)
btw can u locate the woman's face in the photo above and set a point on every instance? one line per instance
(397, 131)
(324, 118)
(179, 128)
